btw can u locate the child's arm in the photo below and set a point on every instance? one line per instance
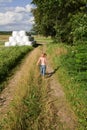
(38, 62)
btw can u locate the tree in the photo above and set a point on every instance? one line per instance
(54, 17)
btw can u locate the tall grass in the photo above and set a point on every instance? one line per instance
(75, 89)
(38, 111)
(9, 58)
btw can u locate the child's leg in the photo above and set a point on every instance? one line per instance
(41, 70)
(44, 70)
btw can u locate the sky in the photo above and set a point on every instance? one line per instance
(15, 15)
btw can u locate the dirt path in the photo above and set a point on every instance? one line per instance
(63, 108)
(16, 89)
(17, 86)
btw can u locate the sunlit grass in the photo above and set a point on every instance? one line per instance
(41, 39)
(75, 90)
(4, 38)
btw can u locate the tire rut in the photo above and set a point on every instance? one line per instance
(17, 85)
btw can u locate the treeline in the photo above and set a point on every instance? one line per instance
(5, 32)
(10, 32)
(65, 20)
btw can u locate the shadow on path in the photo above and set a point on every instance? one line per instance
(37, 44)
(49, 74)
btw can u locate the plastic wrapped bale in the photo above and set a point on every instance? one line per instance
(22, 33)
(12, 39)
(25, 39)
(18, 39)
(13, 43)
(15, 33)
(21, 44)
(7, 44)
(29, 43)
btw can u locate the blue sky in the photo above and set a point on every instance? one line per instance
(16, 15)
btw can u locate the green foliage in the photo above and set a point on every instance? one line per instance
(76, 62)
(72, 74)
(1, 43)
(79, 28)
(64, 20)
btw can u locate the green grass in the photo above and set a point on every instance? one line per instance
(1, 44)
(37, 108)
(41, 39)
(75, 89)
(9, 58)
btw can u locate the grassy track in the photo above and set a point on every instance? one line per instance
(41, 104)
(36, 110)
(39, 112)
(74, 89)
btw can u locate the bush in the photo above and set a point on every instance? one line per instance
(76, 62)
(79, 28)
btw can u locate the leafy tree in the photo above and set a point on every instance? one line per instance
(56, 18)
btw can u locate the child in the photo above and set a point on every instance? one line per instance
(42, 62)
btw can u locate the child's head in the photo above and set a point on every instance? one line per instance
(44, 54)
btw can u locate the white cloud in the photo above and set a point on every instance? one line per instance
(19, 9)
(28, 8)
(10, 17)
(16, 17)
(31, 20)
(17, 27)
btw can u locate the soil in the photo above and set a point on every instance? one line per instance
(61, 105)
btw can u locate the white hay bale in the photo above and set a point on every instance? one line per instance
(15, 33)
(28, 43)
(25, 39)
(12, 39)
(13, 43)
(22, 33)
(7, 44)
(20, 44)
(19, 39)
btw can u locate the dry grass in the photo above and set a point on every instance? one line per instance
(14, 94)
(60, 51)
(4, 38)
(40, 109)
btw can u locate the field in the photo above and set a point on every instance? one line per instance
(9, 58)
(3, 39)
(57, 102)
